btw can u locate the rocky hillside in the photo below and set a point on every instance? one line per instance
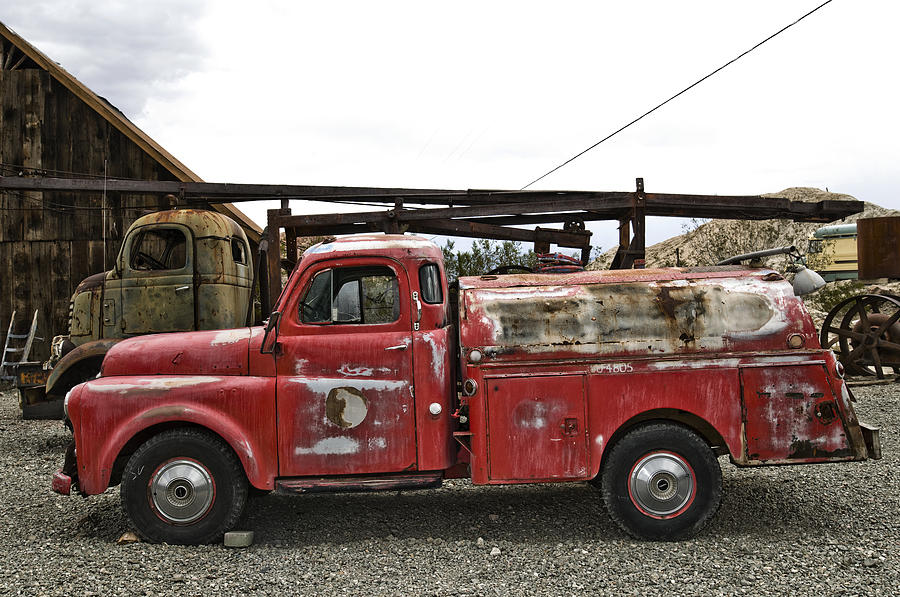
(706, 242)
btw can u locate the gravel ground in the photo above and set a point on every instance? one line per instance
(813, 530)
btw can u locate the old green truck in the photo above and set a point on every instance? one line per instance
(177, 271)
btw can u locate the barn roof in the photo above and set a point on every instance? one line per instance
(123, 125)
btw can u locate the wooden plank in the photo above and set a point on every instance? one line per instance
(40, 293)
(31, 101)
(605, 204)
(20, 279)
(62, 286)
(11, 151)
(4, 139)
(273, 265)
(6, 288)
(79, 262)
(476, 230)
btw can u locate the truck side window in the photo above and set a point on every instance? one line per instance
(367, 295)
(160, 249)
(430, 284)
(315, 307)
(238, 251)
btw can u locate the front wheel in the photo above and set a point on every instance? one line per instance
(661, 482)
(183, 486)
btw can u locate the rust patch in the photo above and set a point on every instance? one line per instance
(173, 411)
(683, 317)
(802, 449)
(666, 302)
(346, 407)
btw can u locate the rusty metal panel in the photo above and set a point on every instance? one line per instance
(792, 415)
(537, 427)
(650, 312)
(878, 247)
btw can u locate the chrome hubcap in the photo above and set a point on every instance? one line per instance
(661, 484)
(182, 491)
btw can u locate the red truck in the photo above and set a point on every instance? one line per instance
(372, 373)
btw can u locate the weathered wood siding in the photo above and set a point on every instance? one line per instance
(49, 242)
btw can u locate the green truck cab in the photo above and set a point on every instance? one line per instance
(176, 271)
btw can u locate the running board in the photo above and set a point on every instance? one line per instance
(396, 482)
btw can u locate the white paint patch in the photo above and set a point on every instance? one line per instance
(531, 292)
(349, 371)
(248, 450)
(324, 385)
(331, 445)
(377, 443)
(228, 337)
(369, 243)
(692, 364)
(299, 365)
(438, 354)
(154, 384)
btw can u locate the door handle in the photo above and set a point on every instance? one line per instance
(182, 288)
(398, 347)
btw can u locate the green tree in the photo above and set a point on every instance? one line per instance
(484, 256)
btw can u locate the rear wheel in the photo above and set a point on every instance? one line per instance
(661, 482)
(183, 486)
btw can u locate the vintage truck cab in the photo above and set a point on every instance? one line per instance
(365, 377)
(177, 270)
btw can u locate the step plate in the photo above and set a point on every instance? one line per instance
(345, 484)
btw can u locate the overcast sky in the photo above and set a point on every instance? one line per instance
(493, 94)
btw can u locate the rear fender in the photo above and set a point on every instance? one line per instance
(78, 364)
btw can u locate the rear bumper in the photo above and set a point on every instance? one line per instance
(62, 483)
(65, 477)
(872, 437)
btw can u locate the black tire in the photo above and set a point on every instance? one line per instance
(661, 482)
(183, 486)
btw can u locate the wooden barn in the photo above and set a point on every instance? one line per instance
(52, 125)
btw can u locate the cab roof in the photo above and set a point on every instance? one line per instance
(387, 244)
(203, 223)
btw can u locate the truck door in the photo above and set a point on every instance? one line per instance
(345, 390)
(156, 288)
(536, 427)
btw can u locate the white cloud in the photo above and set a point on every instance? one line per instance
(127, 52)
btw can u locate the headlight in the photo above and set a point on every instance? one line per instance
(66, 403)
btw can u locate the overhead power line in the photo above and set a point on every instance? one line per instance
(686, 89)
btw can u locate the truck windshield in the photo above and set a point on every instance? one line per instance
(160, 249)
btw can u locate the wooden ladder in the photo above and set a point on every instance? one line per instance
(17, 347)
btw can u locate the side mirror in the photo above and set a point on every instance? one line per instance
(806, 281)
(271, 338)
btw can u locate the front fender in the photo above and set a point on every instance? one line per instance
(78, 364)
(110, 412)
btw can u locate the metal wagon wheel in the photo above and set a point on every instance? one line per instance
(865, 332)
